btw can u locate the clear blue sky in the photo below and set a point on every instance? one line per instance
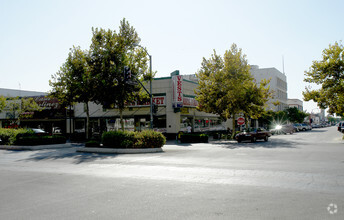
(36, 35)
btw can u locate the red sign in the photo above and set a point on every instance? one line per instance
(241, 121)
(177, 96)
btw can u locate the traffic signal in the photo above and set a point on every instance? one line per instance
(127, 73)
(155, 108)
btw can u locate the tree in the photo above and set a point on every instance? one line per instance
(20, 106)
(110, 53)
(74, 82)
(97, 74)
(294, 115)
(255, 98)
(227, 88)
(329, 74)
(2, 103)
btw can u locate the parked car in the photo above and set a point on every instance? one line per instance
(253, 134)
(303, 127)
(38, 131)
(283, 129)
(341, 126)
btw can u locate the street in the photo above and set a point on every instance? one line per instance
(298, 176)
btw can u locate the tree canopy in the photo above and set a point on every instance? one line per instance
(97, 74)
(227, 88)
(329, 74)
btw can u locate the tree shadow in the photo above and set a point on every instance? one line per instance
(273, 144)
(77, 157)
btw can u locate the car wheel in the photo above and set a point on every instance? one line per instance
(266, 138)
(253, 139)
(239, 141)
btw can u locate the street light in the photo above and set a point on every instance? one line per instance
(150, 84)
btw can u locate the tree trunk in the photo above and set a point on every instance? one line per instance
(121, 119)
(87, 120)
(233, 132)
(246, 121)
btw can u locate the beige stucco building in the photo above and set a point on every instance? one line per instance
(175, 97)
(278, 84)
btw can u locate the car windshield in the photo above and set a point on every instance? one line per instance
(37, 130)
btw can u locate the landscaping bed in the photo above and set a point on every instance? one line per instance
(129, 140)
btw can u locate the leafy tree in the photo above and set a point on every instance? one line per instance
(255, 98)
(329, 74)
(73, 82)
(109, 54)
(294, 115)
(97, 74)
(2, 103)
(19, 106)
(227, 88)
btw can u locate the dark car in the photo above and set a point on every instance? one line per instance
(341, 126)
(253, 134)
(39, 132)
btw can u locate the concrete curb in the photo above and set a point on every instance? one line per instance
(118, 151)
(38, 147)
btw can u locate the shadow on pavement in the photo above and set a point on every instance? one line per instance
(259, 144)
(70, 154)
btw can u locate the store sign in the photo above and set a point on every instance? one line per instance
(177, 87)
(190, 102)
(47, 102)
(158, 100)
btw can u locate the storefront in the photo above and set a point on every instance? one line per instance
(175, 98)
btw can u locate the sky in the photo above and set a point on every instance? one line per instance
(36, 35)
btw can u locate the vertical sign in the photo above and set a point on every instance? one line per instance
(177, 97)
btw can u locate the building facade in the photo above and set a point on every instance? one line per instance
(175, 98)
(295, 103)
(278, 84)
(51, 116)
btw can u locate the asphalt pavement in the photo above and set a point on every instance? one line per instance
(298, 176)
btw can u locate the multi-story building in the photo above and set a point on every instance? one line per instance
(278, 84)
(295, 103)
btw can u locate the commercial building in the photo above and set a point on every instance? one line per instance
(278, 84)
(175, 98)
(50, 117)
(295, 103)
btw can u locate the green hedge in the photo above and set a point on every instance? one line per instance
(9, 136)
(194, 138)
(129, 139)
(27, 137)
(40, 140)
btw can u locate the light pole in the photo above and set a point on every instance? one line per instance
(150, 85)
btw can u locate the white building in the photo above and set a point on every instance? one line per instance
(295, 103)
(278, 84)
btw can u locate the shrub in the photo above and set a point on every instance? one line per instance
(194, 138)
(9, 136)
(128, 139)
(118, 139)
(149, 139)
(92, 143)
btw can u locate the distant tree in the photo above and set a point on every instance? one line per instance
(329, 74)
(2, 103)
(19, 106)
(227, 88)
(294, 115)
